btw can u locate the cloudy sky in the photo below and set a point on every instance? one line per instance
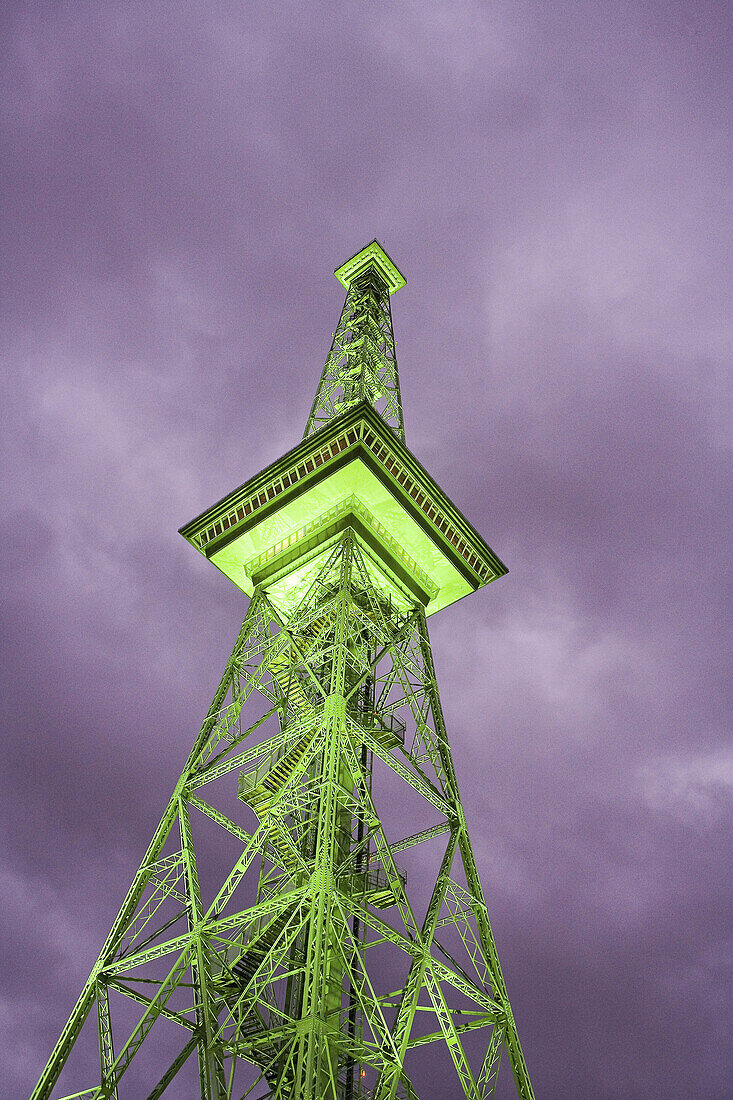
(179, 181)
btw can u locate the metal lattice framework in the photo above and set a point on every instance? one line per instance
(362, 363)
(310, 969)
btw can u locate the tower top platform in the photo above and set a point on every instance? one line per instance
(353, 472)
(373, 256)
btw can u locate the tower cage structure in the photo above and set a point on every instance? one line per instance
(284, 933)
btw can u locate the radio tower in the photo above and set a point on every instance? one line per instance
(312, 969)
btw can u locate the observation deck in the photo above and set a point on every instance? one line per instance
(352, 473)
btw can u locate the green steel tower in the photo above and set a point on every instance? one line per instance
(311, 968)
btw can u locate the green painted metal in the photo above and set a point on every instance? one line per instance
(291, 510)
(362, 362)
(281, 976)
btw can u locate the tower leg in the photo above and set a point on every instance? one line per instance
(480, 912)
(211, 1063)
(81, 1009)
(106, 1046)
(316, 1070)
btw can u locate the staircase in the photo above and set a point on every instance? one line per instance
(374, 886)
(258, 788)
(293, 682)
(387, 729)
(264, 1051)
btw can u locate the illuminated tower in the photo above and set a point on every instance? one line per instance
(314, 968)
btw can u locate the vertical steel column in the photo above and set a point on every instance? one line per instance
(211, 1063)
(480, 912)
(317, 1060)
(74, 1024)
(106, 1046)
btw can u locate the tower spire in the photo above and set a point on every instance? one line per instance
(362, 364)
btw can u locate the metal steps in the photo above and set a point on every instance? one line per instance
(264, 1052)
(258, 788)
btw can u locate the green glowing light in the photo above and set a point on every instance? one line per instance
(354, 455)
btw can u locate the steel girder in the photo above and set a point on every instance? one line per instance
(282, 966)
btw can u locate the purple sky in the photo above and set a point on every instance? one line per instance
(179, 182)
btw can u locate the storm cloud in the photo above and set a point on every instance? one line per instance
(179, 182)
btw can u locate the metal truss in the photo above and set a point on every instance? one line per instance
(308, 970)
(362, 363)
(281, 978)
